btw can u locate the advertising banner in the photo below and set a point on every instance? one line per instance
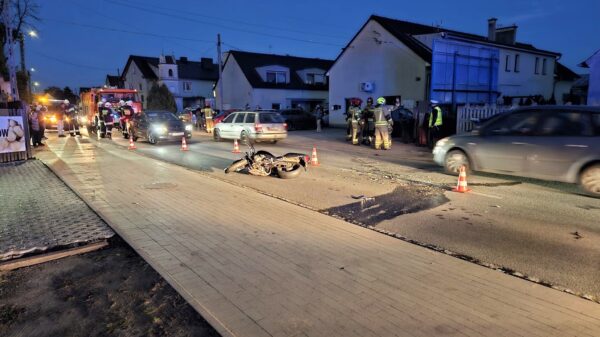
(12, 134)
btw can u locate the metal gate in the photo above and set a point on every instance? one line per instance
(466, 115)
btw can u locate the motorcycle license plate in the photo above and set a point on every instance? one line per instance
(176, 134)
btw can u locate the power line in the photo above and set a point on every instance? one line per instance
(128, 24)
(175, 16)
(129, 31)
(196, 14)
(61, 60)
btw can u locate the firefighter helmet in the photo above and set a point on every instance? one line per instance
(381, 100)
(66, 101)
(129, 103)
(107, 105)
(355, 101)
(121, 103)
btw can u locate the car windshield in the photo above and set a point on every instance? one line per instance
(162, 116)
(270, 118)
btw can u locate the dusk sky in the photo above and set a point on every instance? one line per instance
(81, 41)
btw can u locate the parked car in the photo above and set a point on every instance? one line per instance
(399, 116)
(298, 119)
(221, 115)
(155, 126)
(253, 125)
(560, 143)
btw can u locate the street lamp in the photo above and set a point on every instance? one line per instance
(32, 70)
(33, 33)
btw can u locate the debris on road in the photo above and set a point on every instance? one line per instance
(407, 198)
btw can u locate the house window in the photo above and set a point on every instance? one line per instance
(142, 98)
(276, 106)
(315, 79)
(187, 86)
(517, 60)
(537, 65)
(276, 77)
(544, 67)
(141, 87)
(170, 72)
(507, 63)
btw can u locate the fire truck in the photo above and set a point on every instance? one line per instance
(90, 99)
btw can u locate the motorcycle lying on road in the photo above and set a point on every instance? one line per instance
(263, 163)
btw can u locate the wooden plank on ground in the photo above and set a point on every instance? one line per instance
(37, 259)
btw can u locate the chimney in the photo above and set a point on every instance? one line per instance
(507, 35)
(492, 29)
(183, 59)
(206, 63)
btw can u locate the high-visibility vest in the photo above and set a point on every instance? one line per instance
(379, 114)
(438, 118)
(208, 112)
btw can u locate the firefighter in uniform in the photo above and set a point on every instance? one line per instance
(126, 115)
(435, 123)
(109, 120)
(60, 116)
(71, 118)
(366, 124)
(208, 116)
(354, 117)
(382, 123)
(103, 114)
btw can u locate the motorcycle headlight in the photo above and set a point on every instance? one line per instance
(159, 128)
(189, 127)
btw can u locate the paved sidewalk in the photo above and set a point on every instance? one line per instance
(38, 212)
(257, 266)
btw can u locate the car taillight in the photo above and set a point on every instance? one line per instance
(258, 127)
(285, 126)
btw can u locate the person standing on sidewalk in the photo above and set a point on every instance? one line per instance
(319, 117)
(208, 116)
(35, 123)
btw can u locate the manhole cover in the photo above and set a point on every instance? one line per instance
(159, 186)
(411, 198)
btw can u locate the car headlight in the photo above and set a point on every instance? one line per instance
(159, 129)
(189, 127)
(442, 142)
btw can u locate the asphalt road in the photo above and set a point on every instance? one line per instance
(544, 230)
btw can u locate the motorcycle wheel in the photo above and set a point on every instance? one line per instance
(236, 166)
(293, 173)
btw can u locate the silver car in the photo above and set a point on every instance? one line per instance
(253, 125)
(560, 143)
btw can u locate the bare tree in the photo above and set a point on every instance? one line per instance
(27, 14)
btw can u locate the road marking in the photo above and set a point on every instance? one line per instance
(487, 195)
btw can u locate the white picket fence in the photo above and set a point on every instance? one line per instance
(466, 114)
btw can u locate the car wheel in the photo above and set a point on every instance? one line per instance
(216, 135)
(244, 137)
(151, 139)
(589, 180)
(455, 159)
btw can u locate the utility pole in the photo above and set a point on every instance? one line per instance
(10, 57)
(220, 72)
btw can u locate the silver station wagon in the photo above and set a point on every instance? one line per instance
(560, 143)
(252, 125)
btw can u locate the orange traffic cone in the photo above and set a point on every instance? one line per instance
(314, 161)
(131, 144)
(461, 186)
(236, 147)
(184, 146)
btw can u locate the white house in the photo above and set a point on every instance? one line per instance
(191, 82)
(593, 63)
(273, 81)
(394, 58)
